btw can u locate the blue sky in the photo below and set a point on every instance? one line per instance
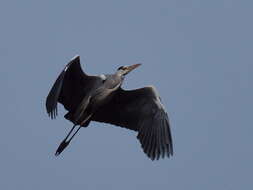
(197, 53)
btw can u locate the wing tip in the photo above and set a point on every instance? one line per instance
(157, 144)
(156, 153)
(52, 113)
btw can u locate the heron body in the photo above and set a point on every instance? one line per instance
(101, 98)
(101, 93)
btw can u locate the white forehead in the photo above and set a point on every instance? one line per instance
(102, 76)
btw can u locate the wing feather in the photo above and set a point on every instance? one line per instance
(71, 86)
(140, 110)
(52, 98)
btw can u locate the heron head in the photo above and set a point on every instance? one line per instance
(124, 70)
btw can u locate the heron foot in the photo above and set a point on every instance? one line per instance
(61, 147)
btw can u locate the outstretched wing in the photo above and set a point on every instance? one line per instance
(140, 110)
(70, 87)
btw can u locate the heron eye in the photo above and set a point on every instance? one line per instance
(122, 68)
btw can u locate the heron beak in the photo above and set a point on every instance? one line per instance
(132, 67)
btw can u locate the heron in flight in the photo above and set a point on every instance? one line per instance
(100, 98)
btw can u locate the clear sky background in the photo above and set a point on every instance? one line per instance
(198, 54)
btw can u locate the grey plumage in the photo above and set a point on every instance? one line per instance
(101, 98)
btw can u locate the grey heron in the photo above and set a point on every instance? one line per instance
(100, 98)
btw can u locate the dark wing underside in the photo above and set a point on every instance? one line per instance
(70, 88)
(140, 110)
